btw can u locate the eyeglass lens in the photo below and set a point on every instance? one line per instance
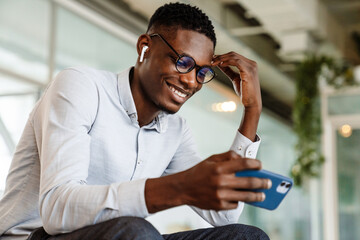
(205, 74)
(185, 64)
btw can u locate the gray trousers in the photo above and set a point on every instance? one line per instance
(134, 228)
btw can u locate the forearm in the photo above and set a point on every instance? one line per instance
(163, 193)
(249, 123)
(62, 208)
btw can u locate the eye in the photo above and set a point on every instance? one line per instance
(172, 57)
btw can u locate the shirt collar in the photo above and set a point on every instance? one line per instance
(160, 123)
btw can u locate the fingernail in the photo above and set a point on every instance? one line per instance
(221, 63)
(269, 184)
(212, 62)
(263, 196)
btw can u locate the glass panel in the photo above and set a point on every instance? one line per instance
(349, 104)
(348, 161)
(14, 111)
(24, 37)
(81, 43)
(5, 160)
(9, 85)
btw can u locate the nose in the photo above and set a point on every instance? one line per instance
(189, 79)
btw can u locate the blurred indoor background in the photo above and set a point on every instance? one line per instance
(38, 38)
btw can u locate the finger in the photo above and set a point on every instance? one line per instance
(237, 59)
(227, 205)
(238, 164)
(233, 182)
(244, 196)
(235, 78)
(222, 57)
(222, 157)
(238, 63)
(229, 72)
(243, 64)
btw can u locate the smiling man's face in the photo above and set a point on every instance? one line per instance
(161, 84)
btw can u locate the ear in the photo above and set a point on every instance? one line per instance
(144, 40)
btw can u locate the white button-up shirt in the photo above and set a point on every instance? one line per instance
(83, 158)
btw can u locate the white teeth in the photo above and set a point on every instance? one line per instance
(180, 94)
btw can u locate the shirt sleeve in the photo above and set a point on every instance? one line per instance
(244, 146)
(62, 121)
(187, 156)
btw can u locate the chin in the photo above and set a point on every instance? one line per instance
(169, 110)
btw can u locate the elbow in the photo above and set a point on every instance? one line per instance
(51, 214)
(51, 228)
(50, 223)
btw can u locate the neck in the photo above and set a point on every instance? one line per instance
(146, 110)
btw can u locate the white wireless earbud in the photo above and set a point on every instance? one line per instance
(143, 53)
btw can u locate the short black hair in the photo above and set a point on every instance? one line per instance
(184, 16)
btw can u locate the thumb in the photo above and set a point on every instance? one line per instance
(237, 87)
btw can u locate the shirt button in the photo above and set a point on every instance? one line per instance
(240, 148)
(250, 153)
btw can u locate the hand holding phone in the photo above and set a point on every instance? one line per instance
(281, 185)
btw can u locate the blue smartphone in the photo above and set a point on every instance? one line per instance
(281, 185)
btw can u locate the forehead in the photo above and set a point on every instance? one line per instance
(192, 43)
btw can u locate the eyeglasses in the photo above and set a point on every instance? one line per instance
(185, 64)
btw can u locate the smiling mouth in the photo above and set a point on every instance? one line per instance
(177, 91)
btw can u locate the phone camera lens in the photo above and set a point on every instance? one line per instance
(288, 185)
(282, 184)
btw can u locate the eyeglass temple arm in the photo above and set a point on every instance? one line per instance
(163, 39)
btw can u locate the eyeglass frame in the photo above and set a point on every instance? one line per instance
(198, 68)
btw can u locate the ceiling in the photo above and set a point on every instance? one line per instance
(276, 34)
(346, 11)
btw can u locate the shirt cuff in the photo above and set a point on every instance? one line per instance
(132, 198)
(244, 146)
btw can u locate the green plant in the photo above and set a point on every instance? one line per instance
(306, 112)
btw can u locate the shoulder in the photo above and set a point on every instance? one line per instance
(177, 123)
(85, 80)
(178, 119)
(91, 74)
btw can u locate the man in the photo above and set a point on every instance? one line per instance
(102, 151)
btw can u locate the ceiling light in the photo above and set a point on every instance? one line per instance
(224, 107)
(345, 130)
